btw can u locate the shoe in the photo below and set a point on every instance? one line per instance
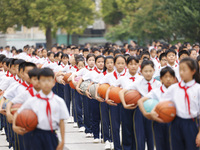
(75, 125)
(82, 129)
(107, 145)
(70, 120)
(88, 135)
(96, 141)
(111, 145)
(3, 132)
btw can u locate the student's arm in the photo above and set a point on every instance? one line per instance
(62, 132)
(121, 95)
(78, 86)
(2, 111)
(17, 129)
(141, 107)
(96, 95)
(8, 112)
(87, 93)
(108, 101)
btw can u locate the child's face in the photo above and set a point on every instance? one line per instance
(120, 64)
(171, 58)
(72, 60)
(51, 57)
(13, 70)
(85, 54)
(100, 63)
(109, 64)
(133, 52)
(76, 51)
(26, 76)
(80, 65)
(148, 72)
(44, 53)
(65, 60)
(183, 56)
(35, 82)
(153, 53)
(96, 53)
(193, 54)
(40, 54)
(186, 73)
(167, 79)
(91, 62)
(46, 83)
(5, 66)
(163, 62)
(133, 67)
(111, 54)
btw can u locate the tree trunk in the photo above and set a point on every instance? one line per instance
(68, 36)
(48, 38)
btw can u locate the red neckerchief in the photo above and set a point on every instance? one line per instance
(115, 74)
(27, 86)
(157, 59)
(132, 78)
(36, 57)
(88, 68)
(7, 74)
(31, 92)
(104, 73)
(15, 78)
(187, 99)
(11, 75)
(162, 89)
(97, 70)
(62, 65)
(48, 110)
(76, 68)
(149, 85)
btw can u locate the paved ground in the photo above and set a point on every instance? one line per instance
(75, 140)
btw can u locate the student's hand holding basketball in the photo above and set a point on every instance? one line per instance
(19, 130)
(148, 116)
(99, 99)
(9, 117)
(111, 102)
(130, 106)
(155, 117)
(79, 90)
(60, 146)
(198, 140)
(88, 94)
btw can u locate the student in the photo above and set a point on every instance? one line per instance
(193, 53)
(143, 126)
(128, 111)
(161, 131)
(133, 51)
(171, 58)
(104, 107)
(115, 120)
(111, 52)
(96, 52)
(163, 64)
(154, 57)
(185, 95)
(44, 136)
(117, 52)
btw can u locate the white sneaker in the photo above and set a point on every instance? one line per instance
(88, 135)
(96, 141)
(107, 145)
(75, 125)
(3, 132)
(70, 120)
(111, 145)
(82, 129)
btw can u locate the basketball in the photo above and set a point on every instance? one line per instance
(92, 90)
(14, 108)
(114, 94)
(132, 96)
(84, 85)
(72, 85)
(150, 104)
(102, 89)
(66, 76)
(166, 111)
(27, 119)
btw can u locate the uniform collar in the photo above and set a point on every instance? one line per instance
(175, 65)
(129, 75)
(50, 95)
(121, 73)
(151, 81)
(190, 83)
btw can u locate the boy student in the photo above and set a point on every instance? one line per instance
(133, 51)
(51, 112)
(163, 64)
(171, 58)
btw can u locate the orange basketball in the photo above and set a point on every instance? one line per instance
(102, 89)
(114, 94)
(27, 119)
(132, 96)
(66, 76)
(14, 108)
(72, 85)
(166, 111)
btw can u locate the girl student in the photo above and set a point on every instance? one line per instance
(161, 130)
(184, 128)
(143, 126)
(104, 107)
(128, 111)
(111, 78)
(94, 77)
(90, 59)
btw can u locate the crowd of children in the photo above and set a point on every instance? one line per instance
(33, 77)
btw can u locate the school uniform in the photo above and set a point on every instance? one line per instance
(160, 130)
(115, 118)
(94, 76)
(142, 124)
(174, 66)
(185, 127)
(44, 136)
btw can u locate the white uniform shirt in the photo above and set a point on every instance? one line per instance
(58, 110)
(6, 83)
(157, 93)
(141, 85)
(94, 76)
(177, 95)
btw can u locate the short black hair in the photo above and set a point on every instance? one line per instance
(130, 58)
(85, 50)
(170, 51)
(46, 72)
(19, 61)
(8, 61)
(64, 56)
(100, 56)
(4, 60)
(90, 55)
(117, 52)
(183, 52)
(49, 53)
(29, 64)
(2, 57)
(21, 66)
(165, 70)
(110, 51)
(34, 72)
(161, 56)
(12, 62)
(145, 53)
(147, 62)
